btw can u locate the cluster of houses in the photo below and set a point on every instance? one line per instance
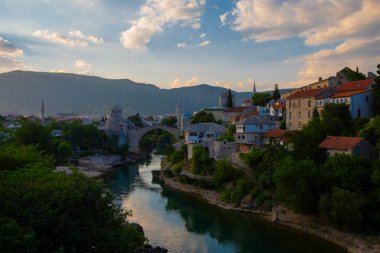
(256, 126)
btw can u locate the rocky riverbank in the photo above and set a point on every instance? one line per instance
(309, 224)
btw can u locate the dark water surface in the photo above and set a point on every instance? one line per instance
(182, 223)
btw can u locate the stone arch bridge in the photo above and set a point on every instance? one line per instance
(135, 135)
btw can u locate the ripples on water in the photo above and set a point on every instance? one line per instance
(183, 223)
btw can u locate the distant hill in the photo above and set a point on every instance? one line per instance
(22, 92)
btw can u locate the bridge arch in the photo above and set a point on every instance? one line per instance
(135, 135)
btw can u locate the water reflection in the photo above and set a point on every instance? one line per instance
(183, 223)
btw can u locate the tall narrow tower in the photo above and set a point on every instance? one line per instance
(254, 88)
(42, 112)
(178, 114)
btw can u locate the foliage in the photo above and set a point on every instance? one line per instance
(240, 189)
(230, 102)
(31, 133)
(283, 125)
(343, 208)
(64, 149)
(224, 172)
(45, 211)
(376, 93)
(203, 117)
(315, 113)
(136, 119)
(276, 93)
(371, 131)
(299, 184)
(260, 99)
(305, 142)
(177, 155)
(169, 121)
(200, 162)
(156, 139)
(229, 134)
(337, 119)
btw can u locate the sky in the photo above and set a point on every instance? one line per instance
(176, 43)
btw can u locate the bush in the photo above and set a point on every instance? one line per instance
(224, 172)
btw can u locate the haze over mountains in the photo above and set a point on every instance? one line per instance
(22, 92)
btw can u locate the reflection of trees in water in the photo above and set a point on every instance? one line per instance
(250, 233)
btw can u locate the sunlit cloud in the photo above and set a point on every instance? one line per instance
(177, 83)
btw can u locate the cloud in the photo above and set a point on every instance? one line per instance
(223, 18)
(77, 38)
(202, 36)
(60, 71)
(204, 43)
(177, 83)
(91, 39)
(83, 66)
(156, 15)
(8, 50)
(182, 45)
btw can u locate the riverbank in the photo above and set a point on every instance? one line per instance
(305, 223)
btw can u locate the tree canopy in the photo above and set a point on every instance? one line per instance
(203, 117)
(260, 99)
(169, 121)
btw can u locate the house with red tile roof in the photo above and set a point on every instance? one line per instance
(348, 145)
(277, 135)
(357, 95)
(246, 103)
(300, 106)
(237, 113)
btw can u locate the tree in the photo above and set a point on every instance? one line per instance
(337, 119)
(224, 172)
(230, 102)
(31, 133)
(315, 113)
(64, 149)
(276, 93)
(136, 119)
(260, 99)
(169, 121)
(200, 160)
(376, 92)
(203, 117)
(283, 125)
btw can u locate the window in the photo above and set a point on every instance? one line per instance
(367, 99)
(359, 113)
(309, 103)
(239, 137)
(243, 137)
(261, 126)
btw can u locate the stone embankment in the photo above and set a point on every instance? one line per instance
(280, 215)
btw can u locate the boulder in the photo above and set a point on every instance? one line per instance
(247, 202)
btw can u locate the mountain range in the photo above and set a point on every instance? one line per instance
(23, 91)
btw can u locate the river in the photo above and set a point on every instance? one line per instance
(183, 223)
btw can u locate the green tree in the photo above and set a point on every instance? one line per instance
(260, 99)
(299, 184)
(169, 121)
(283, 125)
(31, 133)
(337, 119)
(136, 119)
(315, 113)
(64, 149)
(230, 102)
(343, 208)
(200, 161)
(224, 172)
(376, 93)
(276, 93)
(203, 117)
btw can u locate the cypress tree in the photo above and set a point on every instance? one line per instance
(276, 92)
(230, 102)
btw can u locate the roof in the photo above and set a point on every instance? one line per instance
(216, 108)
(235, 109)
(305, 93)
(348, 93)
(255, 121)
(277, 106)
(186, 115)
(340, 143)
(247, 101)
(355, 85)
(206, 127)
(275, 133)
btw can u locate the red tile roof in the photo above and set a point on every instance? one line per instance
(305, 93)
(355, 85)
(247, 101)
(340, 143)
(275, 133)
(277, 107)
(235, 109)
(348, 93)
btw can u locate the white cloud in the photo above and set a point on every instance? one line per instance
(83, 66)
(177, 83)
(204, 43)
(223, 18)
(80, 35)
(156, 15)
(77, 38)
(202, 36)
(8, 50)
(60, 71)
(182, 45)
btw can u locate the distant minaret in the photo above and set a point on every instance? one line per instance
(254, 88)
(178, 114)
(42, 112)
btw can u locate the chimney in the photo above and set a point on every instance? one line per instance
(320, 79)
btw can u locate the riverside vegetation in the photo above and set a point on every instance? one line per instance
(45, 211)
(342, 190)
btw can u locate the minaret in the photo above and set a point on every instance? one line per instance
(178, 114)
(254, 88)
(42, 112)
